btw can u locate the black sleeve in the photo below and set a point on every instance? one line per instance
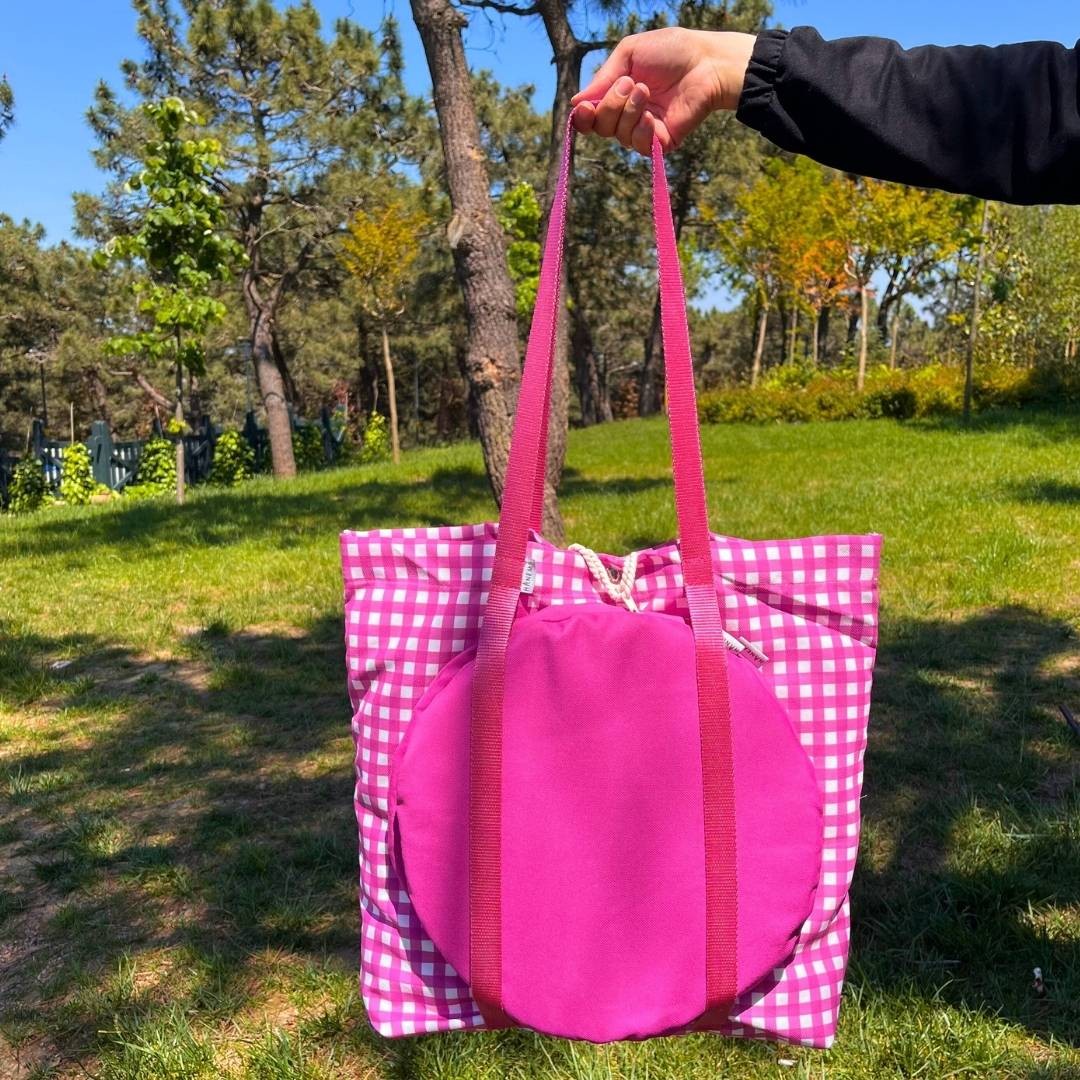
(1002, 123)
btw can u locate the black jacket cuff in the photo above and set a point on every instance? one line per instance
(759, 87)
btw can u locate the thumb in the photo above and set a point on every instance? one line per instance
(619, 63)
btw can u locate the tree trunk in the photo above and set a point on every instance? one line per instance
(179, 416)
(759, 348)
(651, 390)
(864, 332)
(651, 373)
(100, 395)
(815, 332)
(363, 372)
(472, 419)
(568, 53)
(261, 310)
(794, 333)
(442, 412)
(890, 299)
(894, 337)
(592, 391)
(976, 302)
(292, 394)
(823, 333)
(416, 397)
(391, 394)
(271, 384)
(492, 359)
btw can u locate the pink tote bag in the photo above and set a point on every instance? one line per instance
(607, 797)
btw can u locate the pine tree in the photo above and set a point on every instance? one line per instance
(300, 118)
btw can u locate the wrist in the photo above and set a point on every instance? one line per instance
(730, 54)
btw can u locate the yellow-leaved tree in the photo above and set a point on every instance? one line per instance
(379, 251)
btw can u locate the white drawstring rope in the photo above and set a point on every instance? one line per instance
(621, 589)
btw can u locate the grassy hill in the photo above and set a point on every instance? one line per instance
(177, 849)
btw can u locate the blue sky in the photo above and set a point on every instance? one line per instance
(55, 51)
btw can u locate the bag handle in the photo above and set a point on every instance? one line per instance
(525, 473)
(521, 503)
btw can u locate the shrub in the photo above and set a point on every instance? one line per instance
(939, 391)
(308, 448)
(375, 445)
(77, 485)
(27, 490)
(934, 390)
(790, 377)
(234, 460)
(156, 474)
(893, 401)
(838, 402)
(1052, 384)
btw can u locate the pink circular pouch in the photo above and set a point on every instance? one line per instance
(603, 853)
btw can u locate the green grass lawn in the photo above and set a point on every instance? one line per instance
(177, 845)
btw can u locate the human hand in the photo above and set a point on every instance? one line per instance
(663, 81)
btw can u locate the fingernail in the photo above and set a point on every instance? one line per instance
(624, 85)
(637, 98)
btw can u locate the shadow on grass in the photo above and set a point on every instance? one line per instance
(280, 516)
(1047, 423)
(970, 874)
(198, 807)
(1049, 491)
(277, 512)
(204, 806)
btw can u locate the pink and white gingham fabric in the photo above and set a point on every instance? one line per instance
(413, 601)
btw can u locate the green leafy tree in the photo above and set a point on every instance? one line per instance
(29, 323)
(1036, 291)
(756, 242)
(379, 251)
(711, 165)
(922, 230)
(181, 249)
(302, 121)
(53, 312)
(863, 208)
(519, 215)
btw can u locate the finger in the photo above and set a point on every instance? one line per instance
(584, 117)
(642, 136)
(616, 65)
(631, 114)
(611, 106)
(663, 133)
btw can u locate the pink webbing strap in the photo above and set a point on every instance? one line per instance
(521, 505)
(714, 699)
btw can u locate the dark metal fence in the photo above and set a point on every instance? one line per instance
(116, 464)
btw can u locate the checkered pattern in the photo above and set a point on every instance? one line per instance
(413, 601)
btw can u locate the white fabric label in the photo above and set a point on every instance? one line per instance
(528, 578)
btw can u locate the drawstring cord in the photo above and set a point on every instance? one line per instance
(619, 587)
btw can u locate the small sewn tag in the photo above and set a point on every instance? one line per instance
(528, 578)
